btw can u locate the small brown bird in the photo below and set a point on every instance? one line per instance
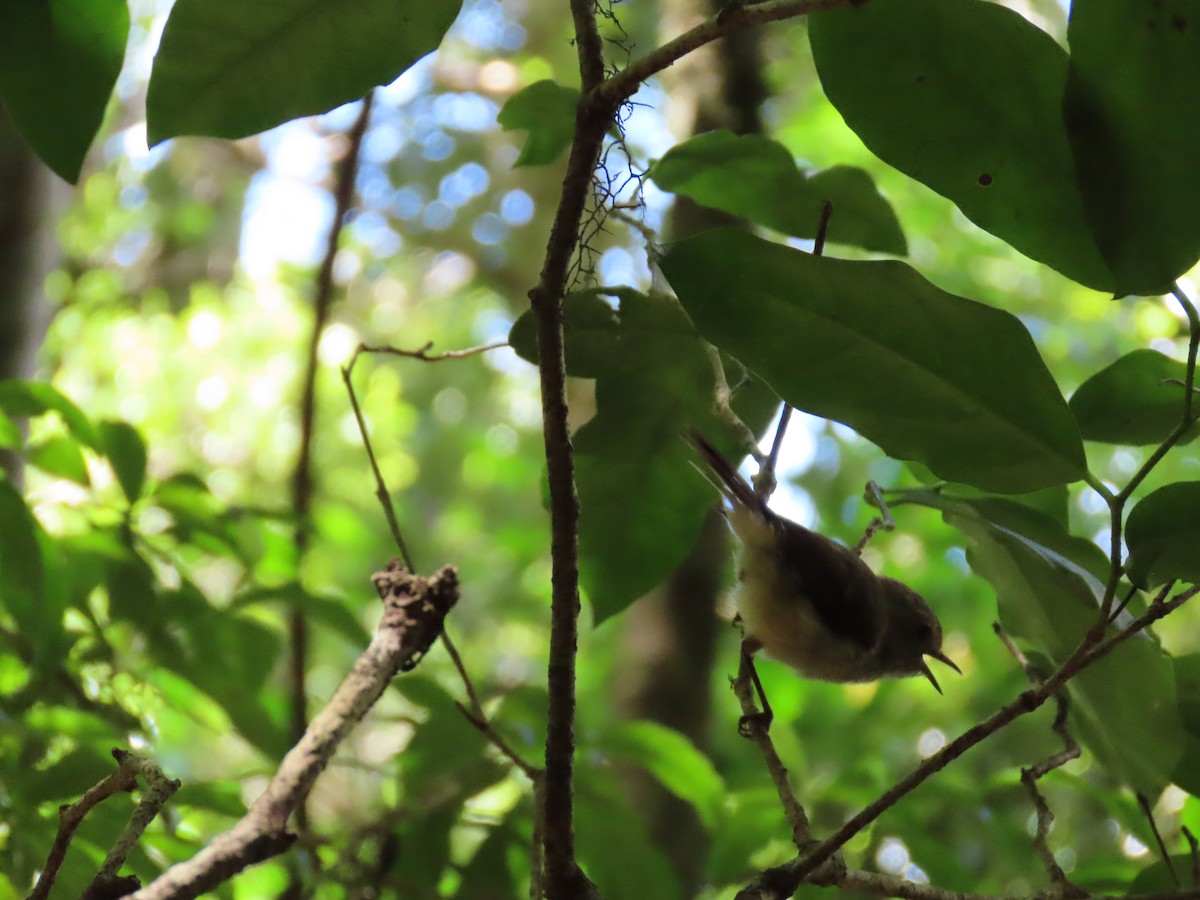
(814, 605)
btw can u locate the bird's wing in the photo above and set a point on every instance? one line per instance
(841, 587)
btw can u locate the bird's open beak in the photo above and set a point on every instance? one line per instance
(942, 658)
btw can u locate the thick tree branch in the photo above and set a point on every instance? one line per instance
(592, 121)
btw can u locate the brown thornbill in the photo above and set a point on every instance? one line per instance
(813, 604)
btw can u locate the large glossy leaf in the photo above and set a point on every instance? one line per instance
(59, 60)
(1133, 115)
(1162, 534)
(1124, 707)
(966, 97)
(230, 69)
(756, 177)
(926, 375)
(1131, 401)
(546, 110)
(642, 500)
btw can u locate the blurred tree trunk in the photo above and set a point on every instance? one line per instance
(28, 252)
(671, 633)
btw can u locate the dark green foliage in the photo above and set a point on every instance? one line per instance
(642, 499)
(1132, 401)
(1163, 531)
(755, 177)
(144, 599)
(874, 345)
(966, 96)
(1048, 585)
(547, 111)
(1133, 118)
(229, 70)
(58, 64)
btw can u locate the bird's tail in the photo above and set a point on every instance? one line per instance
(736, 488)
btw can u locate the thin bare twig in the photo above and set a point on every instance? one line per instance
(765, 481)
(1144, 806)
(594, 115)
(736, 16)
(1187, 419)
(121, 780)
(1194, 848)
(424, 354)
(802, 836)
(159, 789)
(1030, 775)
(475, 714)
(381, 491)
(302, 477)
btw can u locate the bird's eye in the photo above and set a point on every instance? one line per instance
(924, 631)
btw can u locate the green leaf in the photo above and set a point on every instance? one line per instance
(926, 375)
(1048, 587)
(1128, 403)
(60, 456)
(756, 177)
(200, 519)
(965, 96)
(124, 448)
(615, 850)
(591, 333)
(226, 656)
(642, 500)
(230, 69)
(1159, 878)
(11, 437)
(674, 761)
(1162, 534)
(68, 778)
(444, 761)
(34, 398)
(546, 110)
(1133, 116)
(21, 574)
(329, 611)
(59, 60)
(1187, 681)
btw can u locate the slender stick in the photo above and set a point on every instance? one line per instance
(302, 478)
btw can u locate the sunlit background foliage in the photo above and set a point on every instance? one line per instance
(183, 305)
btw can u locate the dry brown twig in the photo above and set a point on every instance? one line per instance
(414, 609)
(1031, 774)
(71, 815)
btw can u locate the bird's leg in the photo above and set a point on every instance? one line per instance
(750, 721)
(882, 522)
